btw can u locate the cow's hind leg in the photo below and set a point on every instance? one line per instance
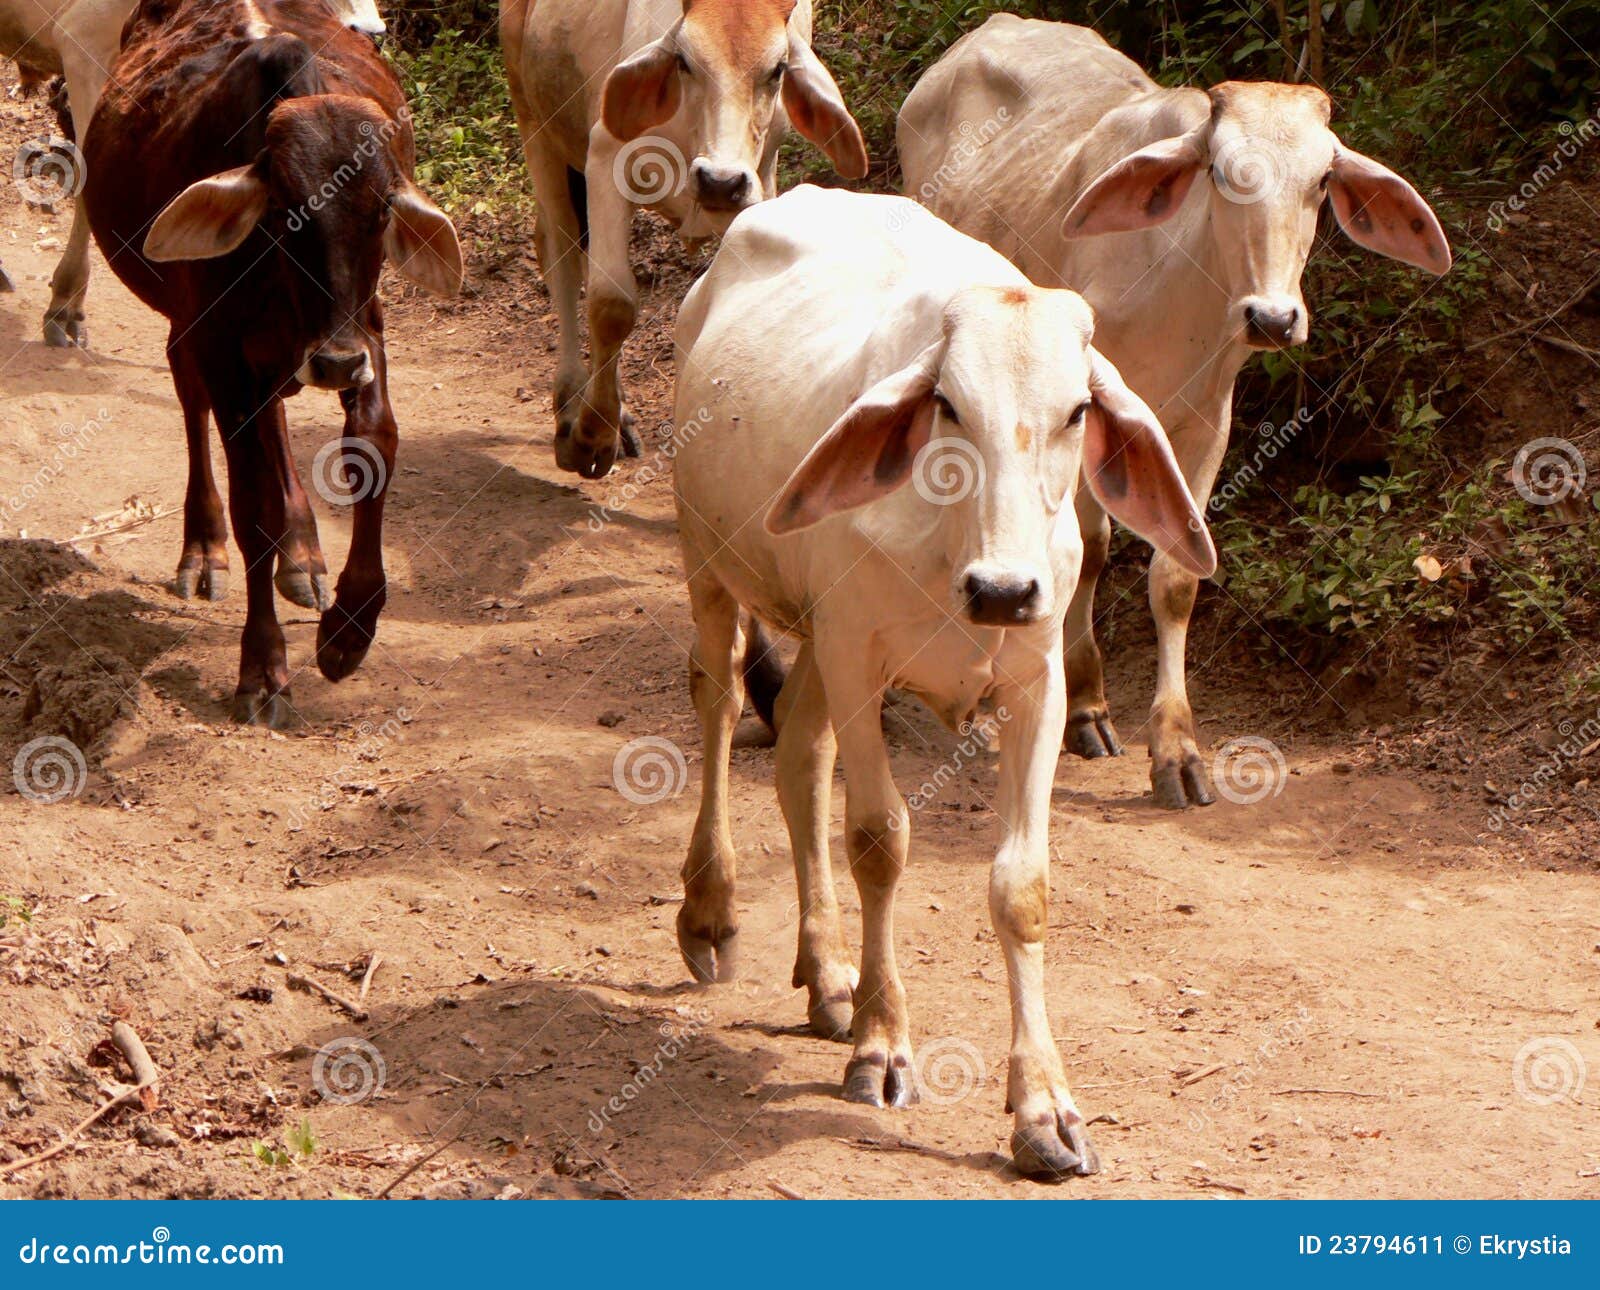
(89, 51)
(255, 502)
(302, 576)
(349, 626)
(203, 566)
(559, 238)
(877, 835)
(1089, 729)
(805, 756)
(707, 923)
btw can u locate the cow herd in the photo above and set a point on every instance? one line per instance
(1059, 319)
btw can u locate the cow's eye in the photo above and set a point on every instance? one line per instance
(777, 73)
(946, 408)
(1082, 411)
(683, 66)
(1326, 179)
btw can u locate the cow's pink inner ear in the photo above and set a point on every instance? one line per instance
(867, 453)
(817, 110)
(1132, 472)
(642, 93)
(421, 243)
(1142, 190)
(1384, 213)
(209, 218)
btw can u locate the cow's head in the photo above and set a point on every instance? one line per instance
(723, 67)
(1270, 160)
(993, 424)
(334, 203)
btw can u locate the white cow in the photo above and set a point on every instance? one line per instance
(1045, 142)
(79, 40)
(840, 347)
(675, 105)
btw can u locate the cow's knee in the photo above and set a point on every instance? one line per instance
(612, 317)
(877, 847)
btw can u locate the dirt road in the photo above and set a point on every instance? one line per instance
(1340, 989)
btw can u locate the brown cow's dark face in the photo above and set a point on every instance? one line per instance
(332, 202)
(331, 175)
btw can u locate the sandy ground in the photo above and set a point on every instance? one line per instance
(1343, 989)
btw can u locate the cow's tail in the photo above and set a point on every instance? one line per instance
(764, 673)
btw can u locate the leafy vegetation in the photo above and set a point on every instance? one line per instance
(15, 908)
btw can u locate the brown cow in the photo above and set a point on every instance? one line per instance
(249, 170)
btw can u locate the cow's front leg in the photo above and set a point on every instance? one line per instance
(1048, 1134)
(349, 625)
(877, 836)
(603, 425)
(708, 927)
(1179, 776)
(1089, 729)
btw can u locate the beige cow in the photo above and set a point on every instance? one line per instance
(675, 105)
(1185, 217)
(79, 40)
(883, 425)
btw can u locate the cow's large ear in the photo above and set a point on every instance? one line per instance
(643, 92)
(421, 242)
(1385, 214)
(867, 453)
(209, 218)
(1130, 468)
(1142, 190)
(816, 109)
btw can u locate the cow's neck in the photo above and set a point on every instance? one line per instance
(1169, 329)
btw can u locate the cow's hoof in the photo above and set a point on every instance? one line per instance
(65, 333)
(309, 591)
(877, 1080)
(205, 580)
(631, 447)
(586, 458)
(1091, 735)
(259, 708)
(339, 653)
(6, 285)
(831, 1018)
(709, 958)
(1054, 1150)
(1178, 787)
